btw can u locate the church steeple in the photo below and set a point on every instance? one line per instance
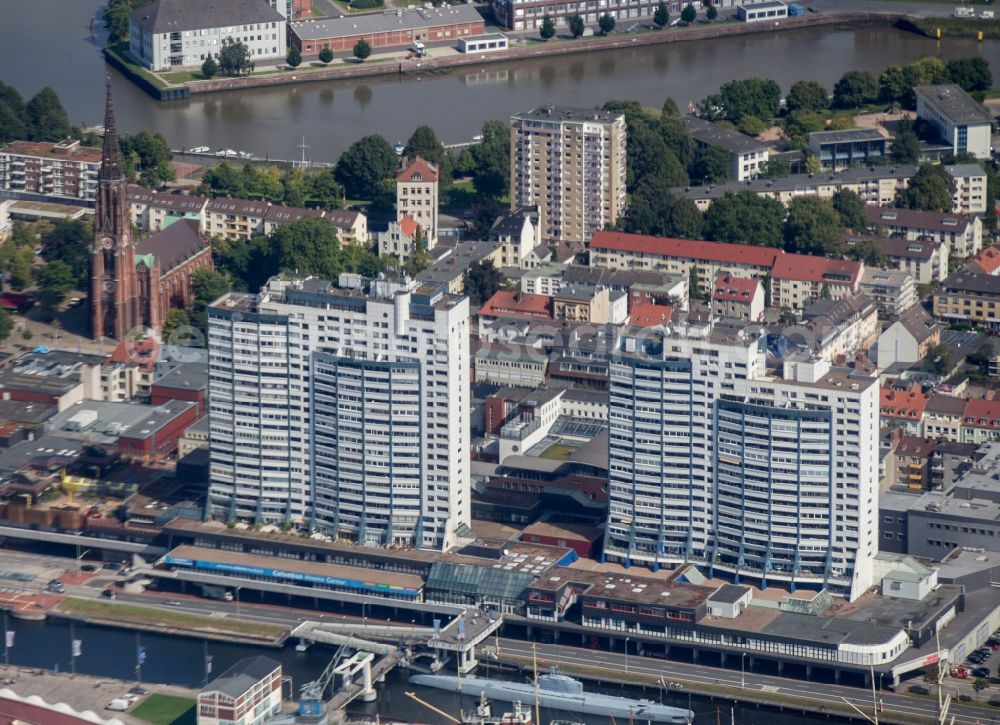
(111, 154)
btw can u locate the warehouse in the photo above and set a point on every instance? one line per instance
(391, 29)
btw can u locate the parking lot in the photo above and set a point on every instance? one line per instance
(983, 662)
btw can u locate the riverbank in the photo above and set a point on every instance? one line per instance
(154, 619)
(533, 51)
(956, 27)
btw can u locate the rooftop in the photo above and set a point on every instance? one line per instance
(63, 150)
(567, 114)
(712, 134)
(963, 281)
(416, 169)
(388, 21)
(167, 16)
(173, 245)
(184, 376)
(815, 269)
(685, 248)
(953, 104)
(242, 676)
(900, 247)
(799, 183)
(916, 219)
(846, 136)
(103, 422)
(735, 289)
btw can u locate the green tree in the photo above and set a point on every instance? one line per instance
(208, 285)
(576, 26)
(892, 85)
(688, 13)
(491, 160)
(798, 126)
(905, 144)
(851, 208)
(294, 188)
(854, 89)
(152, 155)
(869, 252)
(972, 74)
(813, 226)
(712, 13)
(648, 155)
(758, 97)
(234, 58)
(12, 126)
(6, 324)
(807, 96)
(745, 218)
(661, 17)
(363, 166)
(116, 15)
(653, 209)
(307, 246)
(362, 49)
(606, 23)
(324, 190)
(55, 279)
(325, 55)
(978, 685)
(68, 241)
(813, 164)
(294, 56)
(751, 125)
(777, 169)
(46, 117)
(930, 189)
(938, 359)
(223, 179)
(424, 143)
(711, 167)
(548, 28)
(482, 281)
(175, 318)
(210, 67)
(17, 265)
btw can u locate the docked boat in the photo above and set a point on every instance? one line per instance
(559, 692)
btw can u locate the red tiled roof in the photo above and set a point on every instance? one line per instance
(408, 226)
(806, 268)
(686, 248)
(651, 315)
(988, 260)
(505, 302)
(417, 169)
(142, 352)
(982, 413)
(896, 403)
(736, 289)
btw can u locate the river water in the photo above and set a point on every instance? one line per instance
(48, 42)
(110, 652)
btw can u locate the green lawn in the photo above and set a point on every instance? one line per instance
(166, 710)
(119, 51)
(160, 618)
(557, 452)
(460, 195)
(183, 76)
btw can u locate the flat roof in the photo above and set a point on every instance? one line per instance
(390, 20)
(729, 593)
(847, 135)
(626, 587)
(484, 36)
(569, 114)
(713, 134)
(953, 104)
(366, 577)
(60, 151)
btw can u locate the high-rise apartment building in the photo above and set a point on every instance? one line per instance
(343, 408)
(761, 474)
(571, 164)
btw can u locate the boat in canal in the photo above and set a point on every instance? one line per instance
(559, 692)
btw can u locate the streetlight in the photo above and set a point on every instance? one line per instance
(238, 603)
(626, 654)
(80, 556)
(743, 672)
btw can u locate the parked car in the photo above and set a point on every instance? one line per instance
(88, 567)
(171, 602)
(981, 672)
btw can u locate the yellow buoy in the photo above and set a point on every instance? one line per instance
(980, 36)
(938, 33)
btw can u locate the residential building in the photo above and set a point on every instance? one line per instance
(943, 415)
(840, 149)
(798, 278)
(908, 338)
(584, 303)
(970, 188)
(129, 370)
(65, 170)
(170, 34)
(966, 296)
(960, 121)
(962, 233)
(248, 693)
(396, 29)
(891, 289)
(923, 259)
(449, 271)
(981, 421)
(342, 406)
(152, 210)
(738, 297)
(986, 262)
(510, 365)
(400, 239)
(913, 461)
(132, 285)
(752, 473)
(902, 406)
(417, 196)
(648, 314)
(841, 328)
(518, 233)
(747, 156)
(757, 12)
(876, 186)
(570, 163)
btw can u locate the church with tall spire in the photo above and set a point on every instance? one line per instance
(133, 283)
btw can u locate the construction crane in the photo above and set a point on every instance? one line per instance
(311, 693)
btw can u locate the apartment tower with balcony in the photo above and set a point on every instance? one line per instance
(570, 163)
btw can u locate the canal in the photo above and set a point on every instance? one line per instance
(49, 43)
(107, 652)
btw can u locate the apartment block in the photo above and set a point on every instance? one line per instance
(969, 297)
(343, 407)
(752, 472)
(970, 188)
(962, 233)
(747, 156)
(797, 279)
(64, 170)
(961, 122)
(417, 196)
(923, 259)
(570, 163)
(892, 291)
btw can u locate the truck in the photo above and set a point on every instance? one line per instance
(221, 594)
(987, 14)
(965, 12)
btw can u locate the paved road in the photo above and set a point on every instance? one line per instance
(919, 9)
(900, 705)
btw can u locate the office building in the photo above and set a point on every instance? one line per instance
(248, 693)
(183, 33)
(571, 164)
(747, 471)
(64, 170)
(417, 196)
(961, 122)
(839, 149)
(342, 407)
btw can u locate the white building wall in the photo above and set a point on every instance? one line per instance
(189, 48)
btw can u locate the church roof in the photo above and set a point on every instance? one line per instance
(173, 245)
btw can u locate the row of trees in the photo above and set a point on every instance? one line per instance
(268, 183)
(606, 23)
(116, 18)
(42, 118)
